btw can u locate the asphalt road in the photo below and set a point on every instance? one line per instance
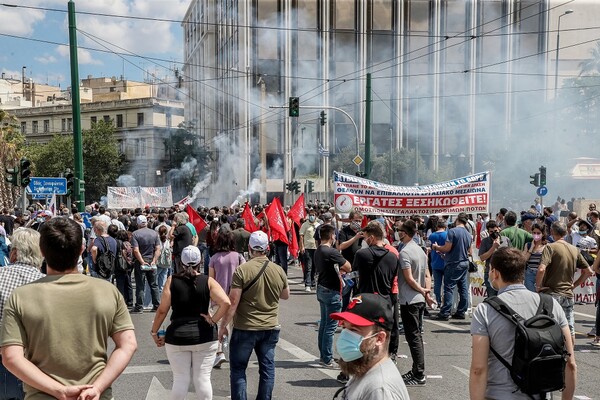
(298, 376)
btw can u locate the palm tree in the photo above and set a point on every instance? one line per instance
(591, 66)
(11, 143)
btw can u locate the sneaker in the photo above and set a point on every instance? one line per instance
(307, 288)
(136, 310)
(592, 333)
(441, 317)
(410, 380)
(331, 364)
(342, 378)
(595, 342)
(220, 359)
(458, 316)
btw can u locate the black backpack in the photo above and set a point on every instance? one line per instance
(540, 355)
(121, 264)
(105, 261)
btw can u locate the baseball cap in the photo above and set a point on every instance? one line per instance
(367, 309)
(142, 220)
(191, 256)
(259, 241)
(47, 213)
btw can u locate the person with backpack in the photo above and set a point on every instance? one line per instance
(104, 250)
(500, 365)
(165, 259)
(124, 266)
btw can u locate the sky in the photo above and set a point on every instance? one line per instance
(32, 37)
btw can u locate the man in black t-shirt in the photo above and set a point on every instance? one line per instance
(329, 263)
(182, 237)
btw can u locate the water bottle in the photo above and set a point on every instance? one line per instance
(161, 332)
(225, 343)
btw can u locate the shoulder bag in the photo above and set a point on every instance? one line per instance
(262, 270)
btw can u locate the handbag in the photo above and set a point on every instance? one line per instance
(472, 266)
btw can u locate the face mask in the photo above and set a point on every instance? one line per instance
(40, 219)
(537, 237)
(355, 225)
(348, 345)
(492, 283)
(583, 232)
(311, 218)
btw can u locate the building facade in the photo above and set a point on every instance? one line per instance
(453, 80)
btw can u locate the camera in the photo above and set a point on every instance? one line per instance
(494, 235)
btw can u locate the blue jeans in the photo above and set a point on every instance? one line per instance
(205, 256)
(10, 387)
(161, 277)
(281, 255)
(486, 281)
(438, 280)
(140, 284)
(530, 275)
(456, 275)
(330, 301)
(123, 280)
(309, 267)
(241, 345)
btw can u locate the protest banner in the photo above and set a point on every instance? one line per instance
(137, 196)
(470, 194)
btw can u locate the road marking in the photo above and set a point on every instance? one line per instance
(464, 371)
(434, 377)
(582, 397)
(147, 369)
(585, 315)
(447, 326)
(305, 356)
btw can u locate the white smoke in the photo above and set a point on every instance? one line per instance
(126, 180)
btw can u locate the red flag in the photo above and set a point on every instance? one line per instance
(250, 226)
(293, 247)
(298, 210)
(277, 221)
(195, 219)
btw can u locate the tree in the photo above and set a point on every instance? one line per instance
(591, 66)
(101, 158)
(11, 149)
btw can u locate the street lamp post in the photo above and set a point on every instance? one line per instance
(558, 51)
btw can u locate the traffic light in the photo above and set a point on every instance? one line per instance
(294, 106)
(323, 118)
(360, 174)
(70, 182)
(535, 179)
(12, 176)
(289, 186)
(296, 186)
(310, 186)
(542, 176)
(25, 171)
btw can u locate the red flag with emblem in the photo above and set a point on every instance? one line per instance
(293, 246)
(195, 219)
(298, 210)
(248, 218)
(277, 221)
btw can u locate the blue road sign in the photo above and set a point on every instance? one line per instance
(542, 191)
(47, 186)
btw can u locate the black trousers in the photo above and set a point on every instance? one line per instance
(410, 318)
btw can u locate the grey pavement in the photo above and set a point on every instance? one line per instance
(298, 375)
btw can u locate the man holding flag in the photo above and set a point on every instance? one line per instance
(280, 226)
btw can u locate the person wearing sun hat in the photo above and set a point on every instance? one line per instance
(363, 348)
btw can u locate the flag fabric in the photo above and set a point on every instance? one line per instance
(277, 221)
(248, 218)
(323, 152)
(196, 219)
(184, 202)
(52, 204)
(298, 210)
(293, 246)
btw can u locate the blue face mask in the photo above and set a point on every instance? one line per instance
(311, 218)
(348, 345)
(583, 233)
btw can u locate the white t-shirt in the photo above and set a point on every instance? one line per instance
(382, 382)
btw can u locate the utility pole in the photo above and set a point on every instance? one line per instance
(368, 127)
(263, 143)
(76, 107)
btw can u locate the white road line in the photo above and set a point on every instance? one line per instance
(305, 356)
(585, 315)
(447, 326)
(147, 369)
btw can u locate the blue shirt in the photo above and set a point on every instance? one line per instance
(437, 262)
(461, 240)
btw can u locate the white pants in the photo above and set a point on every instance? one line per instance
(197, 361)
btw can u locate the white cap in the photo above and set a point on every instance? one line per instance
(259, 241)
(190, 256)
(142, 220)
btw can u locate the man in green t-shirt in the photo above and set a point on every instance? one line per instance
(54, 335)
(256, 288)
(518, 237)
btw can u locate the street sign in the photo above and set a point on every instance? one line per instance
(542, 191)
(357, 160)
(47, 186)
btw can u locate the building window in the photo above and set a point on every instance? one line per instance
(140, 119)
(94, 120)
(119, 120)
(140, 147)
(63, 127)
(69, 124)
(46, 125)
(23, 127)
(106, 119)
(34, 127)
(169, 120)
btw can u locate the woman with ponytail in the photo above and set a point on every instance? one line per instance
(191, 338)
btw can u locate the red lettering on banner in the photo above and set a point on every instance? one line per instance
(478, 291)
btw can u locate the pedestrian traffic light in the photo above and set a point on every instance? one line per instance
(542, 176)
(535, 179)
(323, 118)
(12, 176)
(70, 182)
(310, 186)
(25, 171)
(294, 106)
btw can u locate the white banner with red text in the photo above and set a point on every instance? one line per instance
(139, 196)
(469, 194)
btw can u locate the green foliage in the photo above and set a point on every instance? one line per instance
(11, 150)
(101, 158)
